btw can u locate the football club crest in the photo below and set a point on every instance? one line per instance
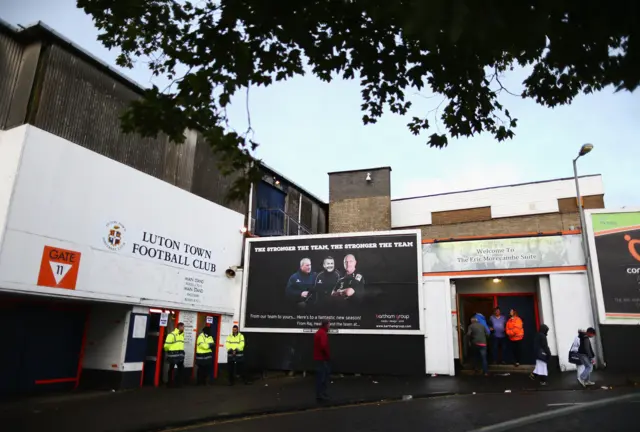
(114, 238)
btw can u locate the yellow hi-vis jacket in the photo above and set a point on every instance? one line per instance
(174, 341)
(204, 344)
(174, 346)
(235, 342)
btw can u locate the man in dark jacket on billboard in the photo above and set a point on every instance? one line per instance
(301, 283)
(321, 356)
(326, 280)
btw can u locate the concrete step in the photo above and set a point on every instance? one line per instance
(501, 369)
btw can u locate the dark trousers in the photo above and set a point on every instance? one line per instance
(235, 368)
(501, 344)
(322, 378)
(176, 374)
(204, 372)
(516, 350)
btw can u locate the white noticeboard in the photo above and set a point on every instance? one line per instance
(209, 320)
(164, 319)
(190, 320)
(139, 327)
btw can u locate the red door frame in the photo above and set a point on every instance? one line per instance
(495, 296)
(158, 371)
(495, 301)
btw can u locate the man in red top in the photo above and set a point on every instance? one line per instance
(321, 357)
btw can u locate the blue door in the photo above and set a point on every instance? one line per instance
(270, 216)
(525, 307)
(46, 347)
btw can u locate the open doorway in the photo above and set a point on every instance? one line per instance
(161, 323)
(212, 321)
(471, 304)
(483, 295)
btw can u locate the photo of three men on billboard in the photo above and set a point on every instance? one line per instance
(306, 287)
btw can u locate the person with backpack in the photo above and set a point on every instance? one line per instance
(582, 355)
(543, 354)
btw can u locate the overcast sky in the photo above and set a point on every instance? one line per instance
(307, 128)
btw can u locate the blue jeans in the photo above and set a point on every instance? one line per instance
(481, 357)
(498, 342)
(588, 367)
(322, 378)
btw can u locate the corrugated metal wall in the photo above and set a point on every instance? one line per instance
(81, 103)
(207, 180)
(10, 56)
(306, 213)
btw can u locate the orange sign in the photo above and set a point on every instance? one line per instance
(632, 247)
(59, 268)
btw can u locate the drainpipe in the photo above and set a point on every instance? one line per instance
(299, 213)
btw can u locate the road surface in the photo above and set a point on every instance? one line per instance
(459, 413)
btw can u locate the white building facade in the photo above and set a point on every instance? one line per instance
(537, 270)
(102, 261)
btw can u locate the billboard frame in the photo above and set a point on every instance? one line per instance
(245, 283)
(633, 319)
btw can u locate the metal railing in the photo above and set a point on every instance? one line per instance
(275, 222)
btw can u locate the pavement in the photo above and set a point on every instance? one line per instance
(151, 409)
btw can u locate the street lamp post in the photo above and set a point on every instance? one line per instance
(587, 256)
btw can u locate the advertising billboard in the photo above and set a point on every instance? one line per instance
(362, 283)
(502, 254)
(616, 238)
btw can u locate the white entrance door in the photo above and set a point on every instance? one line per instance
(438, 336)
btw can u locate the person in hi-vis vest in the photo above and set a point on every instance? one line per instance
(204, 355)
(174, 355)
(235, 355)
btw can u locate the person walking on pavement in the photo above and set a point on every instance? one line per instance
(582, 344)
(204, 355)
(499, 339)
(321, 357)
(543, 354)
(235, 352)
(174, 349)
(477, 335)
(515, 332)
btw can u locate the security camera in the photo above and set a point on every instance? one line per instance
(368, 177)
(231, 272)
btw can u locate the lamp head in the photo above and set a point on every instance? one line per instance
(586, 148)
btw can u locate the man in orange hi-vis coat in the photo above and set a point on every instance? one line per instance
(515, 332)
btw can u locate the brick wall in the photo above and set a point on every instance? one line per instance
(360, 214)
(570, 205)
(478, 221)
(356, 204)
(459, 216)
(512, 225)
